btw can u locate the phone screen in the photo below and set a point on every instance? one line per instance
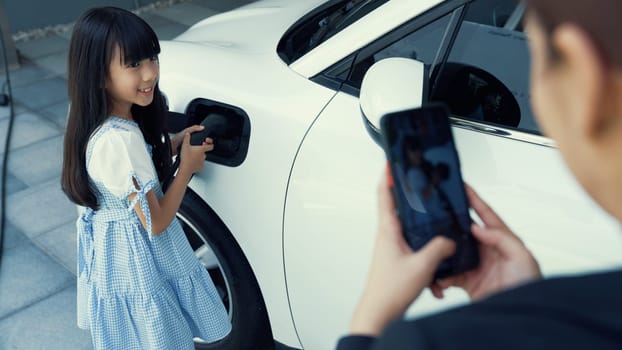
(428, 188)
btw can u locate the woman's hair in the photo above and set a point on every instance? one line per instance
(95, 36)
(601, 19)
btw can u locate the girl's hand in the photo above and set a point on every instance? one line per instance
(193, 157)
(397, 274)
(178, 138)
(505, 262)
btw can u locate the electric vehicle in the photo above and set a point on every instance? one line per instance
(283, 215)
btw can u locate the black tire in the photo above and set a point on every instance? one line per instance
(232, 276)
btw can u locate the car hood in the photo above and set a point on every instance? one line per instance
(254, 28)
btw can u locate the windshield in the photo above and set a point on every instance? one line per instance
(321, 24)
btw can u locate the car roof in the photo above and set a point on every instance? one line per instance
(360, 33)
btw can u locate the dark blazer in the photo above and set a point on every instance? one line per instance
(583, 312)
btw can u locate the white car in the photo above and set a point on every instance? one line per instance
(284, 215)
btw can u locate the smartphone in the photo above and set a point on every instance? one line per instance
(427, 186)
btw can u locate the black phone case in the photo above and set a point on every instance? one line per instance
(467, 253)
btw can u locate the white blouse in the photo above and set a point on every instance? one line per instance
(118, 155)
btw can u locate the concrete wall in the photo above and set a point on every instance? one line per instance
(24, 15)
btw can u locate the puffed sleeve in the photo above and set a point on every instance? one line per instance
(119, 158)
(121, 163)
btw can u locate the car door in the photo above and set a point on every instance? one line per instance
(478, 66)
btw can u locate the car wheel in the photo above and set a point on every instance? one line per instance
(232, 275)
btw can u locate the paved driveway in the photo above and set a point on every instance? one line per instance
(38, 271)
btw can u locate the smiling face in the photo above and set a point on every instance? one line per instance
(130, 82)
(415, 156)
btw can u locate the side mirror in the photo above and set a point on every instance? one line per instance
(391, 85)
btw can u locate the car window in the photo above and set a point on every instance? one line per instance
(421, 44)
(321, 24)
(486, 75)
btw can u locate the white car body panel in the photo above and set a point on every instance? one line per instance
(254, 28)
(330, 217)
(320, 222)
(350, 39)
(275, 136)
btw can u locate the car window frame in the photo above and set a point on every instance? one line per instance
(327, 78)
(531, 136)
(301, 22)
(459, 9)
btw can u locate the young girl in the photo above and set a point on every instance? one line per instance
(139, 283)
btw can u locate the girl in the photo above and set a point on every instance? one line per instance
(139, 283)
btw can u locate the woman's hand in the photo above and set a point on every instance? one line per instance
(178, 138)
(193, 157)
(397, 274)
(505, 262)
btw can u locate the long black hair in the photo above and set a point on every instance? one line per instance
(95, 36)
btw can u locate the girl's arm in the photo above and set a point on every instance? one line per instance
(163, 211)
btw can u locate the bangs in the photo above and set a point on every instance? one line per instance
(135, 38)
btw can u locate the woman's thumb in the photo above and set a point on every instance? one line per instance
(438, 249)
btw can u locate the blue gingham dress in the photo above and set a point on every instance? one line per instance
(137, 290)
